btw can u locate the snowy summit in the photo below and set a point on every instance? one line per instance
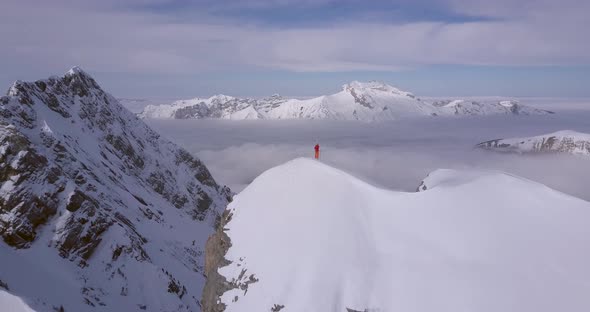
(469, 241)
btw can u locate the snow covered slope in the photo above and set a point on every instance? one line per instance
(566, 141)
(97, 211)
(11, 303)
(465, 107)
(365, 101)
(308, 237)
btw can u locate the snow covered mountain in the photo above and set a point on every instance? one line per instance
(357, 101)
(566, 141)
(365, 101)
(97, 211)
(465, 107)
(370, 101)
(470, 241)
(218, 107)
(137, 105)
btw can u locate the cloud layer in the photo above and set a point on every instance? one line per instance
(390, 155)
(157, 36)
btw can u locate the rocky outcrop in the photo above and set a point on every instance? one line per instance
(22, 164)
(216, 285)
(422, 187)
(4, 286)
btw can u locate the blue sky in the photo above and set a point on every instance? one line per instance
(311, 14)
(182, 48)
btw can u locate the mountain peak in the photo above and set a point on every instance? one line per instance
(75, 80)
(221, 97)
(13, 90)
(80, 75)
(76, 70)
(362, 84)
(373, 85)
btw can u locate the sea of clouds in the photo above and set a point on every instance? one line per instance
(394, 155)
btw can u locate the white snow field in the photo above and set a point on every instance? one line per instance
(319, 239)
(11, 303)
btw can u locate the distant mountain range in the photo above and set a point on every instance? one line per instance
(364, 101)
(570, 142)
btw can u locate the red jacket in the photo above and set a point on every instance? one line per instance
(317, 148)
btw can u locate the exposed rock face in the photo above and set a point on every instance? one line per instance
(215, 251)
(216, 285)
(569, 142)
(4, 285)
(81, 174)
(422, 187)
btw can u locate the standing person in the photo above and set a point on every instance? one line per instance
(317, 151)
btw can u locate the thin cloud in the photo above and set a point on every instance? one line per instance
(50, 36)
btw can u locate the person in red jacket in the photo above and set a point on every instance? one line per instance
(317, 151)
